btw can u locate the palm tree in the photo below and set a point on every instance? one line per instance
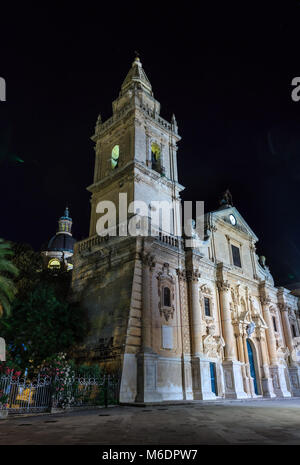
(7, 271)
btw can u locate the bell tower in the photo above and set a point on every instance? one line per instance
(128, 283)
(136, 150)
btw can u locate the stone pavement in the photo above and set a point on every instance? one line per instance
(223, 422)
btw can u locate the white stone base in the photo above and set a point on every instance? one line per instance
(128, 388)
(201, 380)
(279, 381)
(267, 387)
(234, 385)
(294, 373)
(147, 390)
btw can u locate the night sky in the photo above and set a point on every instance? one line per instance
(225, 72)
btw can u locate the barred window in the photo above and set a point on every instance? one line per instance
(274, 324)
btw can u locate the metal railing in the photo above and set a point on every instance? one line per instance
(43, 393)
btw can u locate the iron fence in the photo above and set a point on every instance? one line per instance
(22, 395)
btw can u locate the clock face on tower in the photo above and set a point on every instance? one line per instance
(232, 220)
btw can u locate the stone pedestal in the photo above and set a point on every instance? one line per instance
(266, 380)
(267, 387)
(234, 385)
(128, 388)
(279, 381)
(294, 373)
(147, 378)
(201, 379)
(188, 377)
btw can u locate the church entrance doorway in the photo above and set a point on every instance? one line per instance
(252, 365)
(213, 380)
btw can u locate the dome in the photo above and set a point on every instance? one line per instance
(61, 242)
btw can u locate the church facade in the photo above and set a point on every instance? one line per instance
(181, 323)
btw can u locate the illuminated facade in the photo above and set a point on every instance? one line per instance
(198, 322)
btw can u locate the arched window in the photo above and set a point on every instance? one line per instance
(155, 157)
(167, 297)
(54, 264)
(115, 156)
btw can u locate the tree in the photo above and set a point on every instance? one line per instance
(30, 266)
(42, 325)
(7, 271)
(32, 272)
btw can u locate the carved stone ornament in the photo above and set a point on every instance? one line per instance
(282, 354)
(165, 279)
(250, 328)
(265, 300)
(148, 260)
(181, 274)
(223, 286)
(204, 289)
(213, 345)
(193, 275)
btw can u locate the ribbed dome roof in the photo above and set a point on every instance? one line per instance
(61, 243)
(63, 240)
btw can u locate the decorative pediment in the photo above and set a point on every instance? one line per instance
(240, 225)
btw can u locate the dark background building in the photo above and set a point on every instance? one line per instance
(225, 72)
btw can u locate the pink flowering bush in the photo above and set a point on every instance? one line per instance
(63, 377)
(7, 370)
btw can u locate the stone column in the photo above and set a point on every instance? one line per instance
(147, 389)
(146, 314)
(201, 383)
(294, 369)
(271, 341)
(233, 369)
(266, 381)
(197, 345)
(228, 333)
(287, 328)
(240, 350)
(276, 370)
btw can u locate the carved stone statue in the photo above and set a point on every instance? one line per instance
(226, 198)
(250, 328)
(262, 261)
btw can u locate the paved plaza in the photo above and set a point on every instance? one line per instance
(225, 422)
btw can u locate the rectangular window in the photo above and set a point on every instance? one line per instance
(207, 306)
(274, 324)
(294, 331)
(236, 256)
